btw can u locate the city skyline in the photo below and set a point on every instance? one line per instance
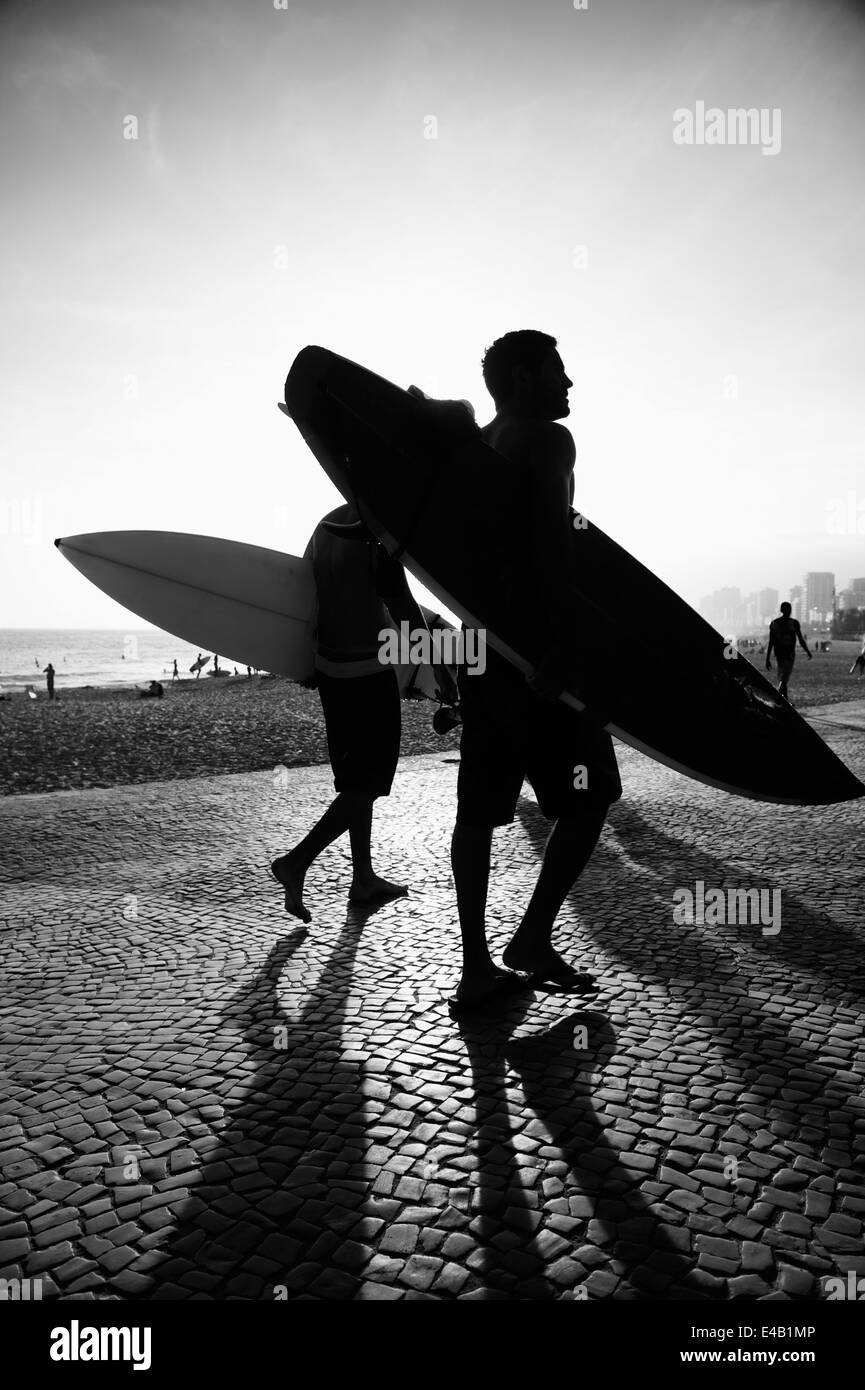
(816, 600)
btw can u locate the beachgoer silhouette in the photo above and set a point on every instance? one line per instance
(784, 633)
(358, 585)
(859, 663)
(513, 728)
(198, 665)
(49, 680)
(175, 674)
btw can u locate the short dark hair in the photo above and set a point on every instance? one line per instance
(525, 347)
(786, 608)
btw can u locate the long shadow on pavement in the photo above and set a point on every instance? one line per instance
(519, 1259)
(288, 1179)
(792, 1083)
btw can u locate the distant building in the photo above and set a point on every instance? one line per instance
(768, 604)
(796, 601)
(853, 596)
(724, 609)
(751, 604)
(818, 600)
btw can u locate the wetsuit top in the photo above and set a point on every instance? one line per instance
(351, 577)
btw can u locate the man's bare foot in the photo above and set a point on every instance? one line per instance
(291, 879)
(478, 990)
(547, 966)
(368, 890)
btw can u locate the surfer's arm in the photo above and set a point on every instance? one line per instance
(401, 604)
(801, 640)
(393, 590)
(552, 552)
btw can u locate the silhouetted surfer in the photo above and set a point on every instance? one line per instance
(513, 729)
(358, 585)
(784, 633)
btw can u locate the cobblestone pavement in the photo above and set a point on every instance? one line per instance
(206, 1101)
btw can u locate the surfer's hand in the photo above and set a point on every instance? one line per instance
(447, 686)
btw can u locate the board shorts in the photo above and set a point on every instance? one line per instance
(362, 718)
(785, 665)
(510, 734)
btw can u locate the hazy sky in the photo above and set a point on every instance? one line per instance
(281, 191)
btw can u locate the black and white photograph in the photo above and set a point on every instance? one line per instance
(432, 640)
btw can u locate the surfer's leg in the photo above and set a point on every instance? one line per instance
(364, 717)
(488, 787)
(291, 869)
(785, 671)
(568, 850)
(366, 885)
(575, 777)
(480, 980)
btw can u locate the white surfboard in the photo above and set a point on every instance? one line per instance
(253, 606)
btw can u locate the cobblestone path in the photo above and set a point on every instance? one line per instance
(204, 1100)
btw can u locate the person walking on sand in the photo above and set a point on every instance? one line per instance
(360, 590)
(514, 728)
(175, 674)
(784, 633)
(49, 674)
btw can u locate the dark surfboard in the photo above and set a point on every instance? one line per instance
(429, 487)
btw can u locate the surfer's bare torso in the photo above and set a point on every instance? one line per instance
(545, 452)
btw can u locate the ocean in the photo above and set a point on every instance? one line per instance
(93, 657)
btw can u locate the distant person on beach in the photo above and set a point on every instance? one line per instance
(358, 585)
(198, 665)
(175, 674)
(154, 691)
(784, 633)
(514, 728)
(49, 674)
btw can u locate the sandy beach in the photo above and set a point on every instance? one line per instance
(106, 737)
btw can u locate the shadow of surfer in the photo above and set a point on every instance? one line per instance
(555, 1067)
(277, 1193)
